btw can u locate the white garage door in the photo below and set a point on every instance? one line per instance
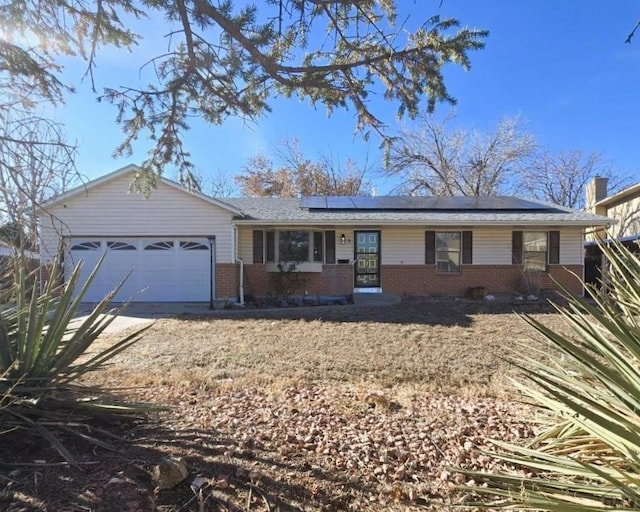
(161, 270)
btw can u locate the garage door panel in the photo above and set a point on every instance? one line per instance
(162, 270)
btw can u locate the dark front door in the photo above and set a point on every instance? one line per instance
(367, 247)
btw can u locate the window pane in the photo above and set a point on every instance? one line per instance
(448, 251)
(293, 246)
(271, 246)
(448, 261)
(535, 261)
(450, 241)
(535, 241)
(534, 250)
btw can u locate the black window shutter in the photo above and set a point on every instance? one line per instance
(317, 246)
(554, 247)
(467, 247)
(258, 246)
(330, 247)
(429, 247)
(516, 247)
(271, 246)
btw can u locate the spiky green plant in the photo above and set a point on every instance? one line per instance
(587, 458)
(43, 355)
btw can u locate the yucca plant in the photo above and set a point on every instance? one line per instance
(43, 355)
(587, 457)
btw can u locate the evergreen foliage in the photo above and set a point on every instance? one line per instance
(231, 59)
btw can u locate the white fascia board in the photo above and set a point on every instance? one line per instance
(426, 222)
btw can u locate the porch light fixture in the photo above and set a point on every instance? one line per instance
(343, 239)
(212, 241)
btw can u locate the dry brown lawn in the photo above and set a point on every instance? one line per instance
(339, 408)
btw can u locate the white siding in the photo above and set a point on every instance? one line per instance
(492, 246)
(109, 210)
(406, 245)
(344, 252)
(245, 244)
(571, 246)
(402, 246)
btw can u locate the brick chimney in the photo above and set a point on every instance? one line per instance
(596, 190)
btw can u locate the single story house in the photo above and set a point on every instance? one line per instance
(184, 246)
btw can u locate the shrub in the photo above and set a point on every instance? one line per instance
(287, 281)
(587, 456)
(43, 356)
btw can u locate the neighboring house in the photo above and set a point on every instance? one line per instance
(622, 207)
(174, 241)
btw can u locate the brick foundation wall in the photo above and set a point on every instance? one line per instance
(333, 280)
(424, 280)
(419, 279)
(227, 280)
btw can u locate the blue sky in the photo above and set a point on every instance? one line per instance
(560, 65)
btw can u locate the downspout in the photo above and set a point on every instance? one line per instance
(238, 260)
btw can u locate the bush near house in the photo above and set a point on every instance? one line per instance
(43, 354)
(287, 281)
(586, 457)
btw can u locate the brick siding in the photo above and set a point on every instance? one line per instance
(420, 279)
(424, 280)
(227, 280)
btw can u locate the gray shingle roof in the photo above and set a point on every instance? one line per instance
(282, 211)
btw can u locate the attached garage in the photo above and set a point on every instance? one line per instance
(161, 241)
(158, 269)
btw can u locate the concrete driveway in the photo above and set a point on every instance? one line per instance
(142, 313)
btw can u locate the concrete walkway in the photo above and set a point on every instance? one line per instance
(138, 314)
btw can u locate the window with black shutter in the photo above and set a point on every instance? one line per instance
(330, 247)
(258, 246)
(554, 247)
(430, 247)
(467, 247)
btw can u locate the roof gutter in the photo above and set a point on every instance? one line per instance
(424, 222)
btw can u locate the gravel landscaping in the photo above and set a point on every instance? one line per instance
(333, 408)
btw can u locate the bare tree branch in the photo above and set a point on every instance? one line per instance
(435, 160)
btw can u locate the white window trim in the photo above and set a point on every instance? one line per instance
(459, 251)
(525, 252)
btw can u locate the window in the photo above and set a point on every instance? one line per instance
(448, 250)
(160, 246)
(271, 246)
(86, 246)
(120, 246)
(448, 245)
(298, 246)
(193, 246)
(534, 251)
(293, 246)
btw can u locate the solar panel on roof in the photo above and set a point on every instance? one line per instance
(313, 202)
(423, 203)
(365, 203)
(340, 203)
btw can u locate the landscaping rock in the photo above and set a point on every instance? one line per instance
(169, 473)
